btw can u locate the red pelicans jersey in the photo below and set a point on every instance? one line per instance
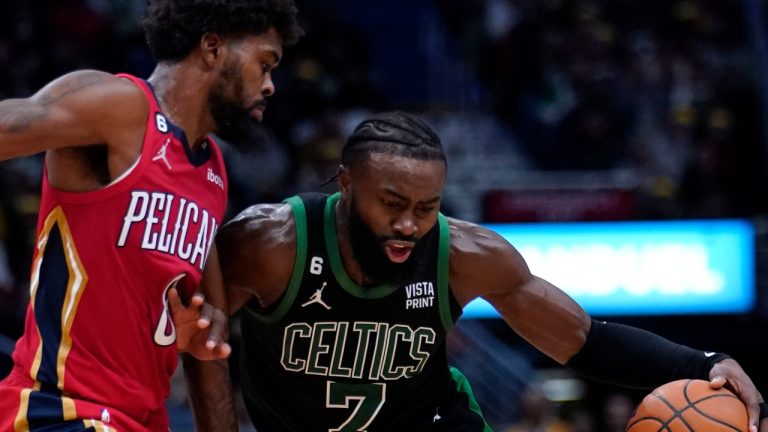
(99, 348)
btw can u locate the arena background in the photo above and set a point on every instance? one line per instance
(550, 110)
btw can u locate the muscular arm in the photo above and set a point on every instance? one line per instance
(485, 265)
(78, 109)
(90, 124)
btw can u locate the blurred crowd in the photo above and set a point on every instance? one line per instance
(666, 91)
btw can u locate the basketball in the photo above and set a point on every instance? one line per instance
(689, 405)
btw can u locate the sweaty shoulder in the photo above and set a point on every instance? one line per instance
(482, 262)
(257, 250)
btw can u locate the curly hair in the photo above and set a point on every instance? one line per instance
(174, 27)
(395, 132)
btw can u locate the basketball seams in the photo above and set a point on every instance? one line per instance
(677, 414)
(629, 426)
(693, 415)
(720, 422)
(692, 402)
(692, 405)
(712, 397)
(708, 416)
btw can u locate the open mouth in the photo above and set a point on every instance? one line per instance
(398, 252)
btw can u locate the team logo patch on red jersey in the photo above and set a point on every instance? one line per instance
(215, 179)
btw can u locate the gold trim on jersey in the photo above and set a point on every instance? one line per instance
(21, 424)
(97, 425)
(78, 278)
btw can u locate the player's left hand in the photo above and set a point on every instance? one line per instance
(728, 373)
(200, 327)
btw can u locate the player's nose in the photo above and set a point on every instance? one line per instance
(405, 225)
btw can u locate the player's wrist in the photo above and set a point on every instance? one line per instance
(710, 360)
(763, 410)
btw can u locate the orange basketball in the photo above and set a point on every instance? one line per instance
(689, 406)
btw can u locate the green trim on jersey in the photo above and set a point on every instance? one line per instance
(337, 266)
(443, 251)
(462, 386)
(384, 290)
(300, 218)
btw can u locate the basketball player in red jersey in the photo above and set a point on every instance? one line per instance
(134, 189)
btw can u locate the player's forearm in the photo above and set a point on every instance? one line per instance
(632, 357)
(211, 395)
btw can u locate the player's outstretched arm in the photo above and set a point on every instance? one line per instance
(484, 265)
(79, 109)
(632, 357)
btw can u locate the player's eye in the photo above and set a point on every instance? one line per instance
(391, 204)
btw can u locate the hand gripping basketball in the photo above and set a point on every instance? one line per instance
(690, 405)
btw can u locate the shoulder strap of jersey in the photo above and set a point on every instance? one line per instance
(450, 309)
(153, 122)
(314, 203)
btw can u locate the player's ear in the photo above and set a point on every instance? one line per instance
(344, 180)
(212, 46)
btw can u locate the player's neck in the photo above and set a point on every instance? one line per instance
(351, 266)
(183, 98)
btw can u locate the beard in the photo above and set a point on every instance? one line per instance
(368, 249)
(233, 120)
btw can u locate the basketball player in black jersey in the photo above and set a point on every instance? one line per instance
(347, 300)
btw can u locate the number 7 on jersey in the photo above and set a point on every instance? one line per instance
(370, 399)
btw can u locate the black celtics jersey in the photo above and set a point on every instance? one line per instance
(333, 356)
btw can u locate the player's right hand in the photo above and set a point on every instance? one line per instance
(729, 373)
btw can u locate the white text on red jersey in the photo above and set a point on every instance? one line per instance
(175, 226)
